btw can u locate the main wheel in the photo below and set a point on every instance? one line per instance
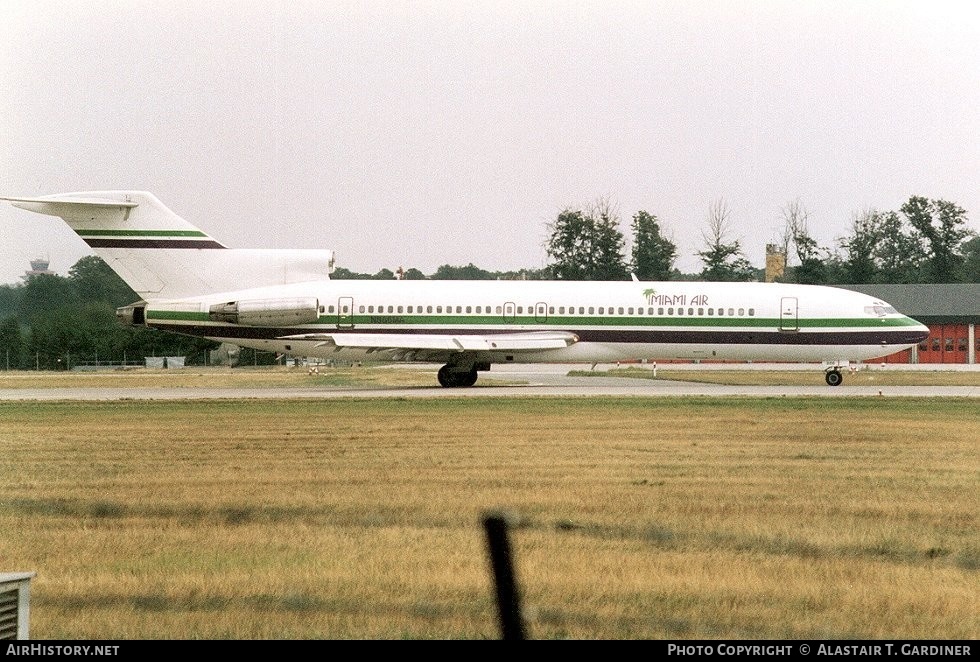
(834, 378)
(466, 379)
(449, 378)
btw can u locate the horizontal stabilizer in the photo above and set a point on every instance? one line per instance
(54, 205)
(511, 342)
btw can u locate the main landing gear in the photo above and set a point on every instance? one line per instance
(461, 374)
(452, 377)
(834, 377)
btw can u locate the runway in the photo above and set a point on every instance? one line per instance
(505, 381)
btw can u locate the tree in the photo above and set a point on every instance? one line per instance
(858, 264)
(94, 280)
(11, 344)
(587, 246)
(653, 254)
(899, 255)
(812, 268)
(971, 260)
(942, 225)
(340, 273)
(413, 274)
(469, 272)
(723, 259)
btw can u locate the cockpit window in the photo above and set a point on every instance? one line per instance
(879, 310)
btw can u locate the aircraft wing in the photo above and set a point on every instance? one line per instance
(534, 341)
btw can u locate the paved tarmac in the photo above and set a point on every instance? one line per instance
(524, 380)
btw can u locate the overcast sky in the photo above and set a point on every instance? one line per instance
(417, 134)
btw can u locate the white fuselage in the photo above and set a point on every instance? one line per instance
(613, 321)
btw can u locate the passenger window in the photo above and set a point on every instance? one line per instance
(660, 311)
(620, 310)
(331, 309)
(591, 310)
(670, 311)
(601, 310)
(690, 311)
(499, 309)
(680, 311)
(551, 310)
(741, 312)
(561, 310)
(399, 309)
(370, 309)
(629, 311)
(469, 309)
(360, 309)
(700, 311)
(711, 311)
(751, 312)
(721, 311)
(520, 309)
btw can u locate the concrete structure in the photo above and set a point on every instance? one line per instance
(15, 604)
(950, 310)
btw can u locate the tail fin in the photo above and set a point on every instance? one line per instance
(162, 256)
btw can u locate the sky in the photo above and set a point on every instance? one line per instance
(416, 134)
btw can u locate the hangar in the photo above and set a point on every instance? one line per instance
(950, 310)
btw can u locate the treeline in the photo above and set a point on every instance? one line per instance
(55, 323)
(52, 322)
(925, 241)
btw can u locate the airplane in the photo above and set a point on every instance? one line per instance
(284, 301)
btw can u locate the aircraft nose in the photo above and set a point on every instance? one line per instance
(920, 332)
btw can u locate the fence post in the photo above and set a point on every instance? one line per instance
(508, 595)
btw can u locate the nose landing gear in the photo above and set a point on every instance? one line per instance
(834, 377)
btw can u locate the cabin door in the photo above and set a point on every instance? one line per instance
(345, 313)
(789, 316)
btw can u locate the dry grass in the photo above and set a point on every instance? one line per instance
(641, 518)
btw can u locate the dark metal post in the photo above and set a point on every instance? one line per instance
(508, 596)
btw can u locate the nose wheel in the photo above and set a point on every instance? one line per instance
(833, 377)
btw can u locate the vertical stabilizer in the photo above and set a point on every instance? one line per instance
(162, 256)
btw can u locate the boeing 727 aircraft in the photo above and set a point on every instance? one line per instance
(284, 301)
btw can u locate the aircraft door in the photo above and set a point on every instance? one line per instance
(789, 316)
(510, 311)
(345, 313)
(540, 312)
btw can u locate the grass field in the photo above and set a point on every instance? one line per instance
(639, 518)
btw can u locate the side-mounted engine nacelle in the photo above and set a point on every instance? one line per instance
(266, 312)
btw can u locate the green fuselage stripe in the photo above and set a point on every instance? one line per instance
(141, 233)
(395, 321)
